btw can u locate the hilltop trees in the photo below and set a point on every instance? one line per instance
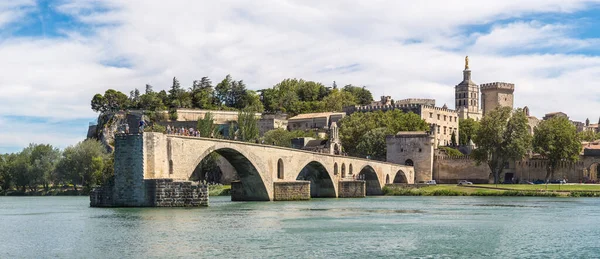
(556, 140)
(292, 96)
(503, 135)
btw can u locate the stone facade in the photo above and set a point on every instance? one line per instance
(497, 94)
(268, 123)
(442, 122)
(220, 117)
(317, 121)
(259, 166)
(352, 189)
(449, 170)
(466, 95)
(412, 148)
(131, 188)
(291, 191)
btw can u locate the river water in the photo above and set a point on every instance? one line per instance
(391, 227)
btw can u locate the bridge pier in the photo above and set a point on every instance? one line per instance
(352, 189)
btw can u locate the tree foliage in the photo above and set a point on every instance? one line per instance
(247, 125)
(86, 163)
(283, 138)
(467, 129)
(588, 135)
(354, 127)
(503, 136)
(206, 126)
(362, 96)
(556, 140)
(373, 145)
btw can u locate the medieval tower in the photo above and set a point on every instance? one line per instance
(467, 96)
(497, 94)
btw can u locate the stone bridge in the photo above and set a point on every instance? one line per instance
(262, 168)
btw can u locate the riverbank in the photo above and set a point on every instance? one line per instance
(219, 190)
(51, 192)
(551, 190)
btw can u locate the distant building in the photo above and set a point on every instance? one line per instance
(555, 114)
(272, 121)
(317, 121)
(466, 96)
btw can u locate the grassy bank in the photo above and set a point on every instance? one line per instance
(219, 190)
(499, 190)
(52, 192)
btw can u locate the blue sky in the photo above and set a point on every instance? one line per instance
(57, 54)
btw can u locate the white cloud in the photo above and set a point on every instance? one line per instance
(398, 48)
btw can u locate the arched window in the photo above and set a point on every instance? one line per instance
(387, 179)
(280, 169)
(408, 162)
(350, 169)
(335, 169)
(343, 170)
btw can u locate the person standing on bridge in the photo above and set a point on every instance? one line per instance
(142, 125)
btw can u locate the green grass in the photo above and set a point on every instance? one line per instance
(537, 187)
(219, 190)
(479, 190)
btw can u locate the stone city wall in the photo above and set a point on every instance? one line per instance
(352, 189)
(449, 170)
(169, 193)
(291, 191)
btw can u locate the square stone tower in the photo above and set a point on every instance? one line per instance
(467, 96)
(497, 94)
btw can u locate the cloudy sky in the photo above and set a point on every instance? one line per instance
(55, 55)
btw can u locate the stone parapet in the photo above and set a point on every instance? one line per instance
(498, 85)
(291, 191)
(352, 189)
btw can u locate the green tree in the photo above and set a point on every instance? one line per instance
(222, 91)
(355, 126)
(588, 135)
(83, 164)
(115, 100)
(373, 145)
(283, 138)
(5, 176)
(206, 127)
(556, 140)
(43, 160)
(453, 139)
(99, 103)
(361, 94)
(467, 128)
(247, 125)
(337, 100)
(175, 94)
(503, 136)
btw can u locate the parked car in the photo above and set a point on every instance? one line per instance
(431, 182)
(464, 182)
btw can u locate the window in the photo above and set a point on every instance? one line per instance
(438, 117)
(431, 115)
(444, 117)
(444, 130)
(438, 129)
(420, 150)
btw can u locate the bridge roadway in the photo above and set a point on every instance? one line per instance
(260, 166)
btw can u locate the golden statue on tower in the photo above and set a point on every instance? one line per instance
(466, 62)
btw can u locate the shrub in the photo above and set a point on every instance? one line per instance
(173, 115)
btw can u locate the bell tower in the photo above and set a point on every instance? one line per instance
(466, 96)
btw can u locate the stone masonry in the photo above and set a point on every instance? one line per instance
(352, 189)
(129, 188)
(291, 191)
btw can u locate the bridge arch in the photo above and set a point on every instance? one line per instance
(373, 186)
(400, 177)
(321, 184)
(252, 183)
